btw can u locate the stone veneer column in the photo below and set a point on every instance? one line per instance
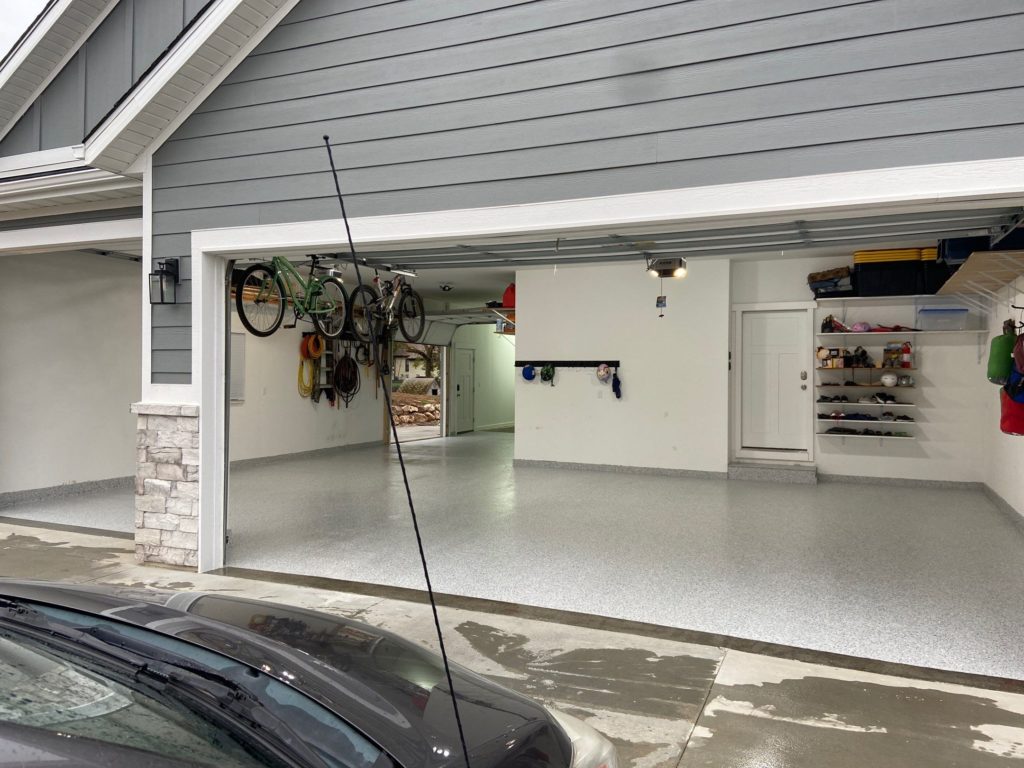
(167, 484)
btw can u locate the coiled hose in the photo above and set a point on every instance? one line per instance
(346, 378)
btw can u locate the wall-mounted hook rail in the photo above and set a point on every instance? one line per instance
(568, 363)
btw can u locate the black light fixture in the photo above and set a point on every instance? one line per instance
(670, 267)
(163, 282)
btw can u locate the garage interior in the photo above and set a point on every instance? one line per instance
(71, 361)
(885, 546)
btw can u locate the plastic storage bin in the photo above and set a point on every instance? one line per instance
(942, 318)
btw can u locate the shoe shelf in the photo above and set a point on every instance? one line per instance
(855, 404)
(867, 368)
(859, 386)
(868, 437)
(898, 334)
(855, 423)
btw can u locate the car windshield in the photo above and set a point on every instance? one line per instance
(41, 689)
(332, 740)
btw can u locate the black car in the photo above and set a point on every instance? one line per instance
(123, 676)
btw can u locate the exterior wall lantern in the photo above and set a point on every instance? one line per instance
(163, 282)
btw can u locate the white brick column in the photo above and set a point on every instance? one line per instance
(167, 484)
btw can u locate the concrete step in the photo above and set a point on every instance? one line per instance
(775, 472)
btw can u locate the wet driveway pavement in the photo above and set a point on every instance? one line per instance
(665, 703)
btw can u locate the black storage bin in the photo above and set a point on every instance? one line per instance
(955, 250)
(888, 278)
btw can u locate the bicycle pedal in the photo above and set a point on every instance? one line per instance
(291, 326)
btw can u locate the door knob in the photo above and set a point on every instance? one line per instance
(803, 386)
(803, 376)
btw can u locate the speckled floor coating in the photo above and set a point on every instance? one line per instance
(930, 577)
(106, 510)
(665, 704)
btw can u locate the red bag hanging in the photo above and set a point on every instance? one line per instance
(1011, 419)
(509, 298)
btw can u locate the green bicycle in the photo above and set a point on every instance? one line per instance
(264, 289)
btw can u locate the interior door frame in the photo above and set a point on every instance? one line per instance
(736, 382)
(454, 389)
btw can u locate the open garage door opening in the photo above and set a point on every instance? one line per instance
(70, 356)
(312, 481)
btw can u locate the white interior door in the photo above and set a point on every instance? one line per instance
(464, 405)
(775, 389)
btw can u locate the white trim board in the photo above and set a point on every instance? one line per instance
(69, 237)
(854, 193)
(44, 161)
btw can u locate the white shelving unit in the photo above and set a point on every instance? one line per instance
(887, 310)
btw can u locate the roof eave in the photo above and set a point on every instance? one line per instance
(114, 144)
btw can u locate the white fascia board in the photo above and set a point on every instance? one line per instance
(161, 75)
(852, 193)
(29, 44)
(42, 162)
(69, 237)
(63, 185)
(26, 49)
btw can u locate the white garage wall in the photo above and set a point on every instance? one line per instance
(952, 434)
(70, 347)
(1003, 454)
(779, 279)
(274, 420)
(494, 375)
(674, 409)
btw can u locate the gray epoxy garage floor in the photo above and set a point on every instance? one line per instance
(922, 576)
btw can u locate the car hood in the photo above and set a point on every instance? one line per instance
(387, 687)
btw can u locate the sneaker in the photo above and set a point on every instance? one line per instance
(887, 416)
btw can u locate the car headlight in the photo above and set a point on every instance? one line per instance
(589, 748)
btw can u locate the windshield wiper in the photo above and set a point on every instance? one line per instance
(163, 672)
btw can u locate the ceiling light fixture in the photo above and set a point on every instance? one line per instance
(446, 287)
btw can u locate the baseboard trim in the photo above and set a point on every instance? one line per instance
(901, 482)
(14, 498)
(620, 468)
(499, 425)
(263, 460)
(1005, 507)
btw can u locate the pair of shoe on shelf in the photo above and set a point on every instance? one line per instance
(834, 399)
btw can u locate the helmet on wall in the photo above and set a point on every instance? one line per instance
(604, 373)
(889, 379)
(529, 372)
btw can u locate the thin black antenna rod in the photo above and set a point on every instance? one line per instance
(401, 460)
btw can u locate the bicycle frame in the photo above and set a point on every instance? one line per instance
(290, 276)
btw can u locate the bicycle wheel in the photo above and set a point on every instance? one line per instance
(412, 319)
(362, 304)
(259, 300)
(330, 308)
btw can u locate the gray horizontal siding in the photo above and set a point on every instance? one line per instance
(118, 52)
(487, 102)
